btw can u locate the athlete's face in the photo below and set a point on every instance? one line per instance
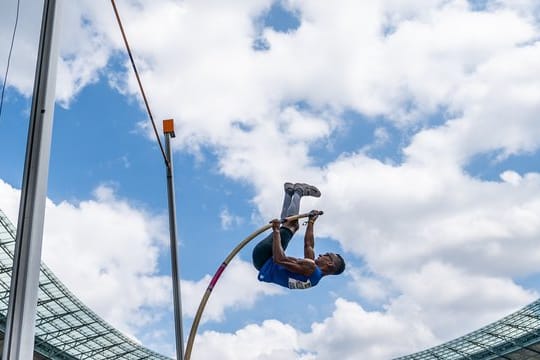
(327, 262)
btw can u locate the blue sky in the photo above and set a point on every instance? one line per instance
(422, 139)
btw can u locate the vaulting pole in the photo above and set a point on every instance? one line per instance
(21, 316)
(217, 275)
(168, 129)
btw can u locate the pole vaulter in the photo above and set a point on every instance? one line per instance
(217, 275)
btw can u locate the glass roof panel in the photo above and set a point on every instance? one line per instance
(65, 327)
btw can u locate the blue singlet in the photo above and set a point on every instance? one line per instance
(277, 274)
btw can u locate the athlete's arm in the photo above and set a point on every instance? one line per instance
(300, 266)
(309, 239)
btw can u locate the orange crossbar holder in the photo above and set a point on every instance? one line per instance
(168, 127)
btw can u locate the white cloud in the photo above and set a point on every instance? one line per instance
(351, 330)
(10, 198)
(498, 100)
(511, 177)
(447, 296)
(24, 54)
(271, 340)
(381, 136)
(114, 250)
(420, 224)
(369, 287)
(240, 276)
(229, 220)
(85, 48)
(348, 332)
(375, 207)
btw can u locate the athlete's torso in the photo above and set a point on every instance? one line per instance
(277, 274)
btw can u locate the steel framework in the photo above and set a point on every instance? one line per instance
(514, 337)
(65, 328)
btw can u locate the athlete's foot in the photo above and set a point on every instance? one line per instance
(289, 188)
(307, 190)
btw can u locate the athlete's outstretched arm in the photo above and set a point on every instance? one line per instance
(309, 241)
(309, 237)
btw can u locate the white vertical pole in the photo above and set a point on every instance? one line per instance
(20, 323)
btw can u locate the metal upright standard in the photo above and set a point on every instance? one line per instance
(168, 129)
(20, 330)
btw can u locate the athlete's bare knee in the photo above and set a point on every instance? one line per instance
(291, 225)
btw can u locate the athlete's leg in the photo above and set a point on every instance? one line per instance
(293, 194)
(263, 250)
(289, 191)
(291, 206)
(294, 204)
(300, 190)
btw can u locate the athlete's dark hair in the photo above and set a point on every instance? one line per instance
(341, 266)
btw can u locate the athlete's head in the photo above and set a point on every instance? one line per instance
(330, 263)
(339, 265)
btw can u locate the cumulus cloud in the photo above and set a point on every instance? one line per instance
(351, 330)
(85, 45)
(271, 340)
(446, 296)
(24, 54)
(96, 234)
(368, 286)
(348, 332)
(10, 201)
(229, 220)
(511, 177)
(239, 275)
(442, 73)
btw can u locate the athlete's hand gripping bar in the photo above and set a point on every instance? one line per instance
(299, 216)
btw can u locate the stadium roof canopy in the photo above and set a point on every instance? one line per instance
(515, 337)
(65, 327)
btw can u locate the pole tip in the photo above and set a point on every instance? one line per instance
(168, 127)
